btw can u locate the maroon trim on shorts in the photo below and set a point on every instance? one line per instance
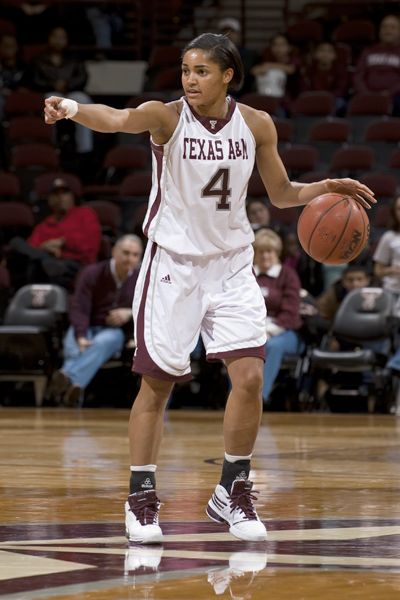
(213, 125)
(258, 352)
(158, 152)
(142, 361)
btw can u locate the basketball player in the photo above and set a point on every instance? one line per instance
(196, 275)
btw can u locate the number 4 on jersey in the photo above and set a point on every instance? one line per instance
(220, 190)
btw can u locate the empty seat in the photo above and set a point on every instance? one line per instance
(118, 162)
(261, 102)
(365, 107)
(285, 131)
(394, 161)
(16, 218)
(256, 187)
(136, 184)
(299, 158)
(22, 130)
(350, 161)
(383, 135)
(33, 156)
(30, 339)
(355, 31)
(9, 186)
(23, 103)
(109, 215)
(305, 31)
(308, 108)
(327, 135)
(384, 185)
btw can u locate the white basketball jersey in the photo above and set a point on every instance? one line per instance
(200, 176)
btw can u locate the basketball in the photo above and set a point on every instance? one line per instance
(333, 228)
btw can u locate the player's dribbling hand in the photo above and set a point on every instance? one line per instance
(53, 111)
(351, 187)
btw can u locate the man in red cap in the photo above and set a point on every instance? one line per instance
(61, 244)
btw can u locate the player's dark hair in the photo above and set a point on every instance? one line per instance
(222, 51)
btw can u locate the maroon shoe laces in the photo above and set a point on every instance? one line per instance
(242, 497)
(145, 507)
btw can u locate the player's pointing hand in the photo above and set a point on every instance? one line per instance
(53, 111)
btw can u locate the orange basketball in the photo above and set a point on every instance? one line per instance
(333, 229)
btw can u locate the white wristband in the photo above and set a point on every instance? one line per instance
(70, 107)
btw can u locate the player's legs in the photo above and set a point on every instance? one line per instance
(145, 432)
(234, 331)
(146, 420)
(244, 405)
(167, 323)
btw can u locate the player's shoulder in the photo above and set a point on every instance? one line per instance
(260, 122)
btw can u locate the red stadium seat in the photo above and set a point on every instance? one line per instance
(9, 186)
(136, 184)
(261, 102)
(384, 185)
(23, 103)
(327, 135)
(314, 104)
(23, 130)
(305, 31)
(31, 156)
(7, 27)
(355, 31)
(299, 158)
(394, 162)
(352, 160)
(256, 187)
(383, 135)
(284, 129)
(109, 215)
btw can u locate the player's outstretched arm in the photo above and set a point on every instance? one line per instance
(150, 116)
(284, 193)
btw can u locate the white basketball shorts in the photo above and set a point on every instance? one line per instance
(179, 297)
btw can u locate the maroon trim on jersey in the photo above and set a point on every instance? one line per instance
(158, 152)
(213, 125)
(142, 361)
(258, 352)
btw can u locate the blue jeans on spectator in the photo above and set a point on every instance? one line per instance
(276, 347)
(81, 367)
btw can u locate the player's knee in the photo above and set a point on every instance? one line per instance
(251, 381)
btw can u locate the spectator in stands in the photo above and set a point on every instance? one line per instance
(54, 72)
(11, 68)
(60, 245)
(277, 74)
(326, 73)
(258, 213)
(353, 277)
(387, 254)
(105, 19)
(309, 271)
(101, 318)
(232, 29)
(280, 287)
(32, 18)
(378, 69)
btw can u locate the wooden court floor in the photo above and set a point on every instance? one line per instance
(329, 494)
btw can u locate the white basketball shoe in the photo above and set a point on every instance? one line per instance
(237, 510)
(141, 518)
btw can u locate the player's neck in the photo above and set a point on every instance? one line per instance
(218, 109)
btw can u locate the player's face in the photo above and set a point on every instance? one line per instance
(203, 80)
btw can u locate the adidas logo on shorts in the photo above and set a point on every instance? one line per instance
(166, 279)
